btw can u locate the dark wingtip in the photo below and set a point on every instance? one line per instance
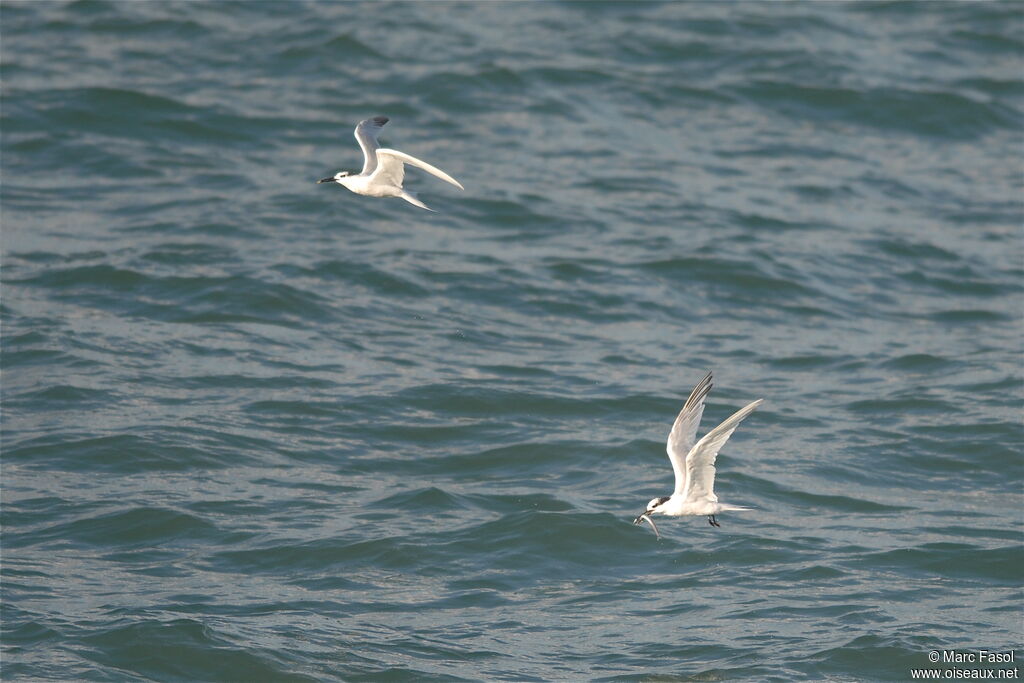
(380, 120)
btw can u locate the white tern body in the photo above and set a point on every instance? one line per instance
(383, 169)
(693, 462)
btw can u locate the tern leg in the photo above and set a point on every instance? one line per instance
(712, 521)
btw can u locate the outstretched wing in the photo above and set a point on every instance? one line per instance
(390, 169)
(366, 135)
(700, 463)
(383, 153)
(684, 431)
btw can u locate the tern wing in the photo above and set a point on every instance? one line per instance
(390, 170)
(413, 161)
(366, 135)
(700, 461)
(684, 431)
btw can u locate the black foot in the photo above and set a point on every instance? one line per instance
(712, 521)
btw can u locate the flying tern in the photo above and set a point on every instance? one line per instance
(383, 168)
(694, 462)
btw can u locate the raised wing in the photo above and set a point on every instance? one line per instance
(366, 135)
(700, 463)
(684, 431)
(413, 161)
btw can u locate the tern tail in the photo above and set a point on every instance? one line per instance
(412, 199)
(737, 508)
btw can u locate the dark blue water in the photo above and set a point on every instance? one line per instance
(256, 428)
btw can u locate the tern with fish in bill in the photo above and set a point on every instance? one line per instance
(694, 462)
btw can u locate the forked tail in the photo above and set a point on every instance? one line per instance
(412, 199)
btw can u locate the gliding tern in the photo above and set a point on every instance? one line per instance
(383, 169)
(694, 463)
